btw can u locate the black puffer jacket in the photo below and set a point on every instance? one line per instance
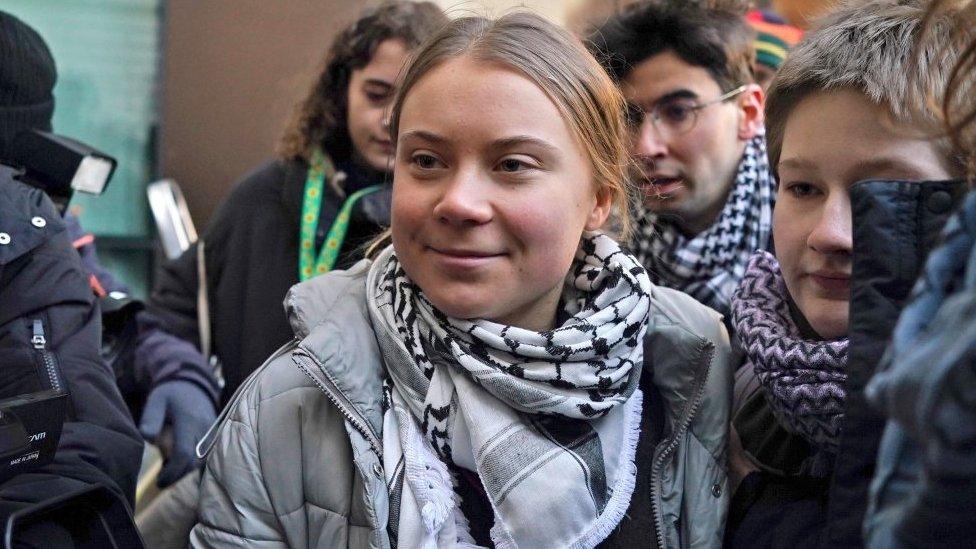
(42, 279)
(895, 225)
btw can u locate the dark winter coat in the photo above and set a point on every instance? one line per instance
(895, 225)
(42, 279)
(251, 262)
(924, 490)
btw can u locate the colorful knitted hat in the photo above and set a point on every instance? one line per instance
(774, 37)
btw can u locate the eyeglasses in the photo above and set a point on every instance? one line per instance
(675, 116)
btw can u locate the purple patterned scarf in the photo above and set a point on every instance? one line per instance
(802, 379)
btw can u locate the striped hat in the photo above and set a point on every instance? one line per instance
(774, 37)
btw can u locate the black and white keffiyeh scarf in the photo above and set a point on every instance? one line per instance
(710, 265)
(803, 379)
(548, 420)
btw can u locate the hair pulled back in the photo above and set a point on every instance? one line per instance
(559, 64)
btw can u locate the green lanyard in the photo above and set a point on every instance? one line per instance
(308, 265)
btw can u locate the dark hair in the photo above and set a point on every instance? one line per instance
(708, 35)
(320, 119)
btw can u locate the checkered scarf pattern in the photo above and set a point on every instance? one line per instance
(548, 420)
(710, 265)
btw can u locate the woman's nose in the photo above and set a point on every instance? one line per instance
(465, 200)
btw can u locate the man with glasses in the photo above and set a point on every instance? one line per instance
(696, 118)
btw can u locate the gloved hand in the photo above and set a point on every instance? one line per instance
(189, 411)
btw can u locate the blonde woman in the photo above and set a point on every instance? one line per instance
(478, 381)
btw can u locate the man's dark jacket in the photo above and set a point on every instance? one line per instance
(895, 225)
(42, 278)
(251, 255)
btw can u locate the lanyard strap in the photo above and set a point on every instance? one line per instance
(308, 265)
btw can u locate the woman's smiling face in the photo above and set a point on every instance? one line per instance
(492, 192)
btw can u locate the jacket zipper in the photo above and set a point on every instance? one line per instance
(328, 386)
(707, 352)
(40, 343)
(209, 438)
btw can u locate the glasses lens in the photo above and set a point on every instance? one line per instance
(676, 117)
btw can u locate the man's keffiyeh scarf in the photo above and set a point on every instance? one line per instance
(548, 420)
(710, 265)
(802, 379)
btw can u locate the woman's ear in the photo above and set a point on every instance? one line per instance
(751, 103)
(601, 209)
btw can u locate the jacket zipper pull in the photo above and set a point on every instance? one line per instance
(39, 341)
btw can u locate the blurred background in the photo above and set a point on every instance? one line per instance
(200, 91)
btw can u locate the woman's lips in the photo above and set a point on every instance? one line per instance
(462, 258)
(385, 146)
(835, 284)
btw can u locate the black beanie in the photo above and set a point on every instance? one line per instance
(27, 76)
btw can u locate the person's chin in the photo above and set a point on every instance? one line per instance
(670, 205)
(380, 162)
(458, 302)
(831, 318)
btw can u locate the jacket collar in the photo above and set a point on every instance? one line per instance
(329, 316)
(27, 217)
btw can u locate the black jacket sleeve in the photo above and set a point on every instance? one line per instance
(42, 278)
(173, 303)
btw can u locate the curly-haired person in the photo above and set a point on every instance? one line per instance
(307, 211)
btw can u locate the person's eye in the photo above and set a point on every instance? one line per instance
(514, 165)
(802, 190)
(425, 161)
(377, 96)
(675, 112)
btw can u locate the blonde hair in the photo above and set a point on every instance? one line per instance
(557, 62)
(872, 48)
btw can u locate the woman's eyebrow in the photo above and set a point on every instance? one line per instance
(509, 142)
(425, 135)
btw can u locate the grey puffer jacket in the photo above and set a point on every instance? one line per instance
(295, 460)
